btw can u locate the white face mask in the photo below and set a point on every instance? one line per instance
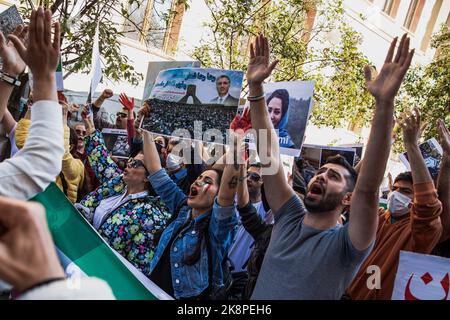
(398, 203)
(173, 161)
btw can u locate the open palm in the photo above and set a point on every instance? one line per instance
(386, 85)
(259, 67)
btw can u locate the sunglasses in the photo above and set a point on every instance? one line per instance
(135, 163)
(161, 143)
(78, 131)
(121, 115)
(254, 176)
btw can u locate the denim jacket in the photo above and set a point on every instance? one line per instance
(191, 281)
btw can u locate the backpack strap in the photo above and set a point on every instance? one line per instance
(63, 182)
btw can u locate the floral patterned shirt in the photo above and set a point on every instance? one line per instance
(129, 228)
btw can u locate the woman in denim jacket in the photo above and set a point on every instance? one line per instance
(205, 223)
(124, 209)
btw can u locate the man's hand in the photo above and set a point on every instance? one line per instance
(258, 67)
(126, 102)
(27, 251)
(444, 137)
(385, 86)
(410, 124)
(12, 62)
(107, 93)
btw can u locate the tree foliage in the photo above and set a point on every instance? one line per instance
(78, 20)
(305, 53)
(427, 88)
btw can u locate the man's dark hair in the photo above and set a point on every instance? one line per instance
(404, 176)
(351, 179)
(224, 76)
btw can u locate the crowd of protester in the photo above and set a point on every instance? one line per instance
(205, 229)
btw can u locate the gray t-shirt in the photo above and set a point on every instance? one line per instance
(303, 263)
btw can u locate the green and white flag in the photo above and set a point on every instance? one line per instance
(83, 252)
(59, 76)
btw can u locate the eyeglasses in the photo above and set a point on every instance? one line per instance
(83, 132)
(253, 176)
(121, 115)
(135, 163)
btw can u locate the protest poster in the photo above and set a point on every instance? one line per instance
(9, 20)
(431, 153)
(116, 141)
(317, 155)
(154, 67)
(421, 277)
(194, 100)
(358, 149)
(289, 105)
(83, 252)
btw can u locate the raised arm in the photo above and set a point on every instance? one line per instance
(364, 204)
(230, 177)
(443, 185)
(37, 164)
(243, 197)
(410, 124)
(278, 190)
(99, 122)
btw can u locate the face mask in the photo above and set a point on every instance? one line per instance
(173, 162)
(398, 203)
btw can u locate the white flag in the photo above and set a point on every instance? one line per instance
(421, 277)
(96, 71)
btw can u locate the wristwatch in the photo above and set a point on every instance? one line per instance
(14, 81)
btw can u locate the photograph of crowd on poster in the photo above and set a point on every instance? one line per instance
(184, 95)
(155, 67)
(116, 141)
(318, 155)
(432, 154)
(9, 20)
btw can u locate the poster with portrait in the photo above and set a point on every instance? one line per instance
(201, 101)
(422, 277)
(155, 67)
(116, 141)
(432, 154)
(317, 155)
(289, 105)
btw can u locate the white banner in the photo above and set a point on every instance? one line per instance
(421, 277)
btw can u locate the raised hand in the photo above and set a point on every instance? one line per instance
(259, 67)
(87, 116)
(12, 62)
(74, 108)
(410, 124)
(386, 85)
(40, 53)
(126, 102)
(242, 123)
(444, 137)
(107, 93)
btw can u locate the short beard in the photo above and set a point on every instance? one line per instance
(329, 203)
